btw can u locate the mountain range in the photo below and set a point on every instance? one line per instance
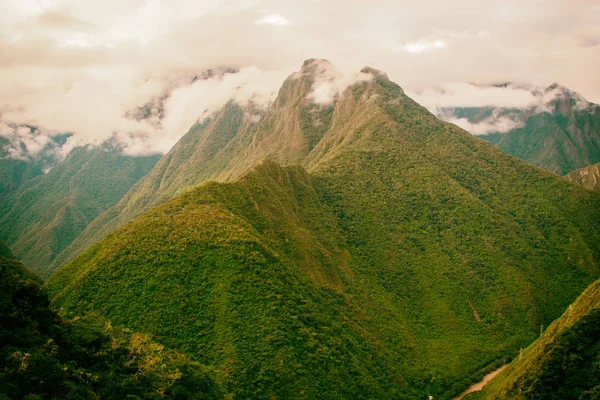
(361, 248)
(18, 165)
(46, 213)
(561, 134)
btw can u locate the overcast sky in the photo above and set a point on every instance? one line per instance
(80, 65)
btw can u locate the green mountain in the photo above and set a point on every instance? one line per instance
(45, 214)
(560, 136)
(45, 357)
(402, 259)
(562, 364)
(588, 177)
(17, 165)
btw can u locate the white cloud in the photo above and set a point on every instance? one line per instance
(509, 104)
(422, 46)
(274, 19)
(79, 66)
(459, 94)
(488, 125)
(188, 105)
(26, 143)
(329, 83)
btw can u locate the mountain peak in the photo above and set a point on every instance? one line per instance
(315, 66)
(554, 86)
(565, 99)
(375, 72)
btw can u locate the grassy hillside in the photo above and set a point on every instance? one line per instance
(562, 363)
(45, 357)
(412, 257)
(588, 177)
(46, 213)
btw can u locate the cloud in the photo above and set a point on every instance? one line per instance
(509, 104)
(26, 143)
(93, 121)
(329, 83)
(459, 94)
(81, 66)
(416, 47)
(274, 19)
(422, 46)
(194, 103)
(488, 125)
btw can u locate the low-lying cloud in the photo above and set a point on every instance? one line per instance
(82, 66)
(460, 94)
(104, 116)
(445, 99)
(488, 125)
(27, 143)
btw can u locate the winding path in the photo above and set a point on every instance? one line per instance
(479, 385)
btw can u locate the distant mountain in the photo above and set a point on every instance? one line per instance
(560, 135)
(44, 357)
(401, 258)
(18, 165)
(588, 177)
(45, 214)
(562, 363)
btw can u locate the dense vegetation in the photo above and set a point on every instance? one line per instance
(45, 214)
(45, 357)
(563, 364)
(560, 139)
(588, 177)
(411, 259)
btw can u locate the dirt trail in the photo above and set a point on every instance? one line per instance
(479, 385)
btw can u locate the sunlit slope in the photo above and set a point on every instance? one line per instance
(588, 177)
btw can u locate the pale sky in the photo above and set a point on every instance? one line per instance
(80, 65)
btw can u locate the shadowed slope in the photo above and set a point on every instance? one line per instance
(43, 356)
(5, 251)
